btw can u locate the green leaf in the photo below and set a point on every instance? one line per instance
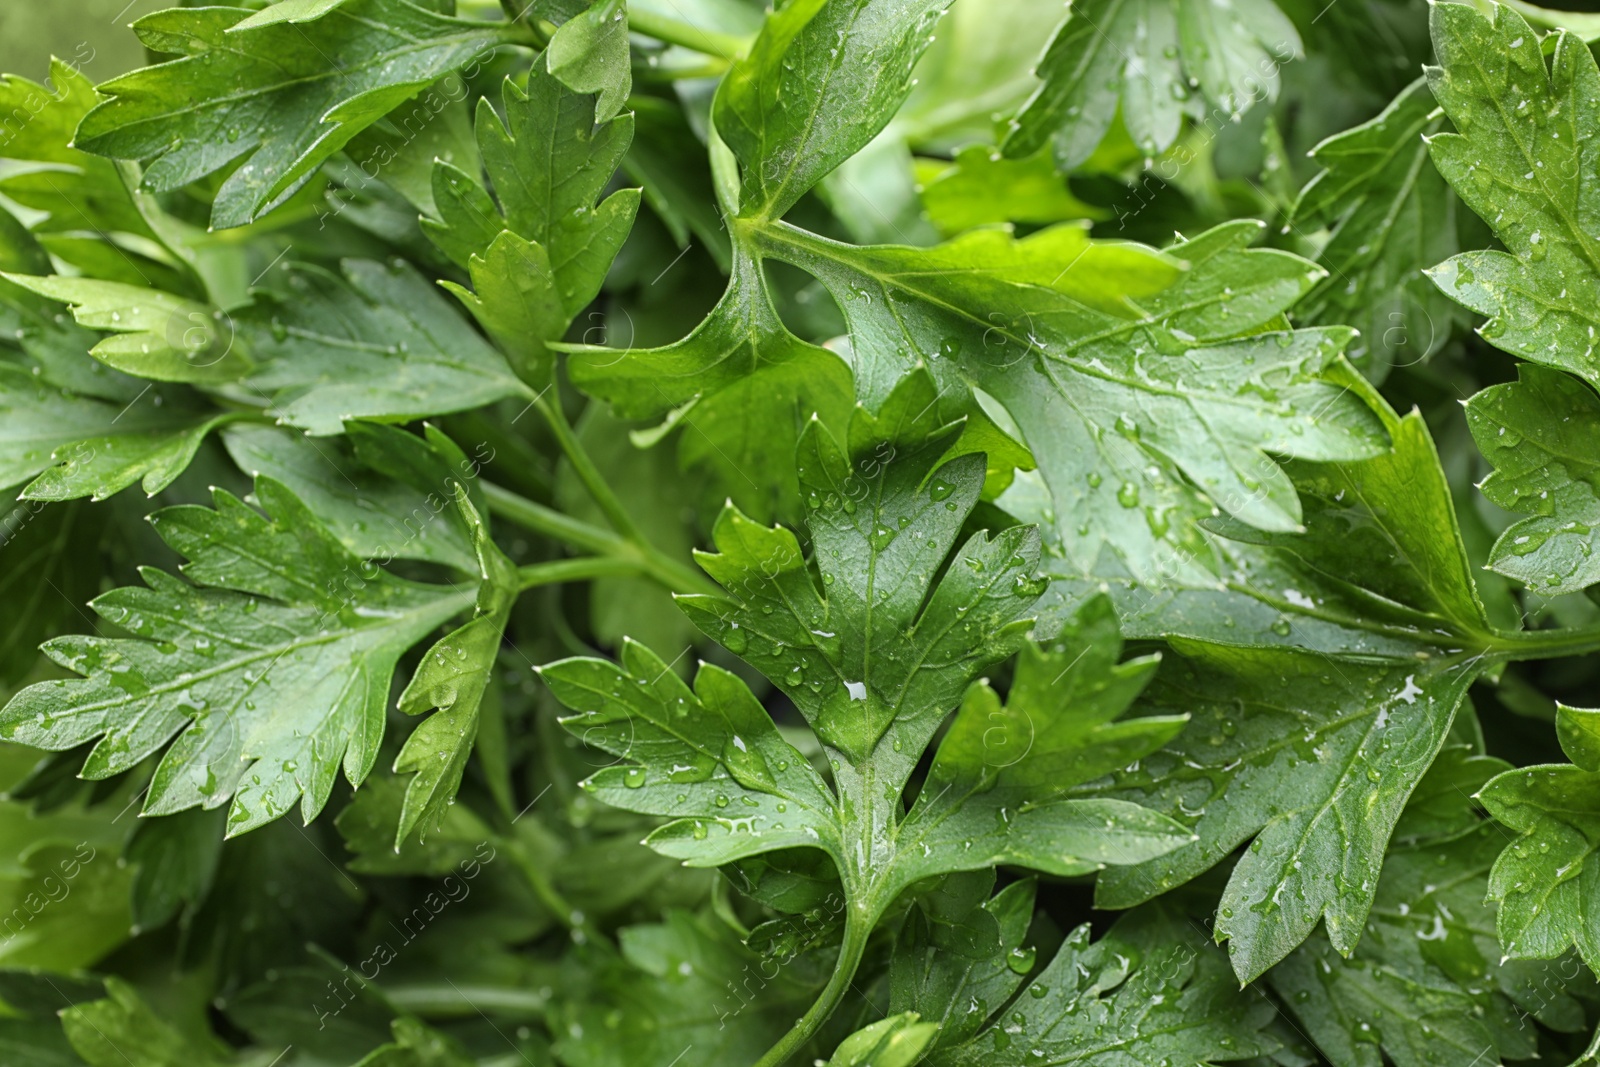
(653, 492)
(272, 103)
(288, 11)
(49, 560)
(1540, 433)
(874, 655)
(679, 986)
(383, 492)
(1310, 760)
(1431, 957)
(452, 677)
(740, 387)
(1141, 57)
(63, 895)
(847, 62)
(106, 1033)
(877, 649)
(78, 191)
(898, 1041)
(73, 446)
(416, 1045)
(1427, 985)
(1379, 573)
(995, 793)
(980, 186)
(538, 250)
(960, 953)
(669, 161)
(265, 674)
(1150, 990)
(1392, 216)
(1519, 159)
(979, 68)
(154, 334)
(176, 860)
(1119, 367)
(589, 54)
(708, 757)
(1543, 882)
(378, 343)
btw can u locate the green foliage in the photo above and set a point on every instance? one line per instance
(855, 532)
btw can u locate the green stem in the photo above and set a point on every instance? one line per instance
(464, 999)
(587, 472)
(1544, 644)
(671, 31)
(857, 927)
(625, 555)
(534, 516)
(581, 569)
(544, 889)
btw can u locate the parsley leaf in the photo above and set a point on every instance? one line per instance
(1143, 57)
(1392, 217)
(1540, 434)
(1539, 881)
(849, 61)
(240, 670)
(1151, 989)
(538, 250)
(1517, 160)
(1288, 749)
(281, 98)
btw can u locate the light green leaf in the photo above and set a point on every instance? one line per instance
(273, 102)
(77, 190)
(1121, 368)
(981, 186)
(1542, 434)
(417, 1045)
(287, 11)
(589, 54)
(265, 674)
(821, 81)
(154, 334)
(979, 68)
(453, 676)
(898, 1041)
(63, 893)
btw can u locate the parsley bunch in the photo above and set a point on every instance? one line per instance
(859, 532)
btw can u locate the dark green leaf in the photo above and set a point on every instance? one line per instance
(1151, 990)
(265, 674)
